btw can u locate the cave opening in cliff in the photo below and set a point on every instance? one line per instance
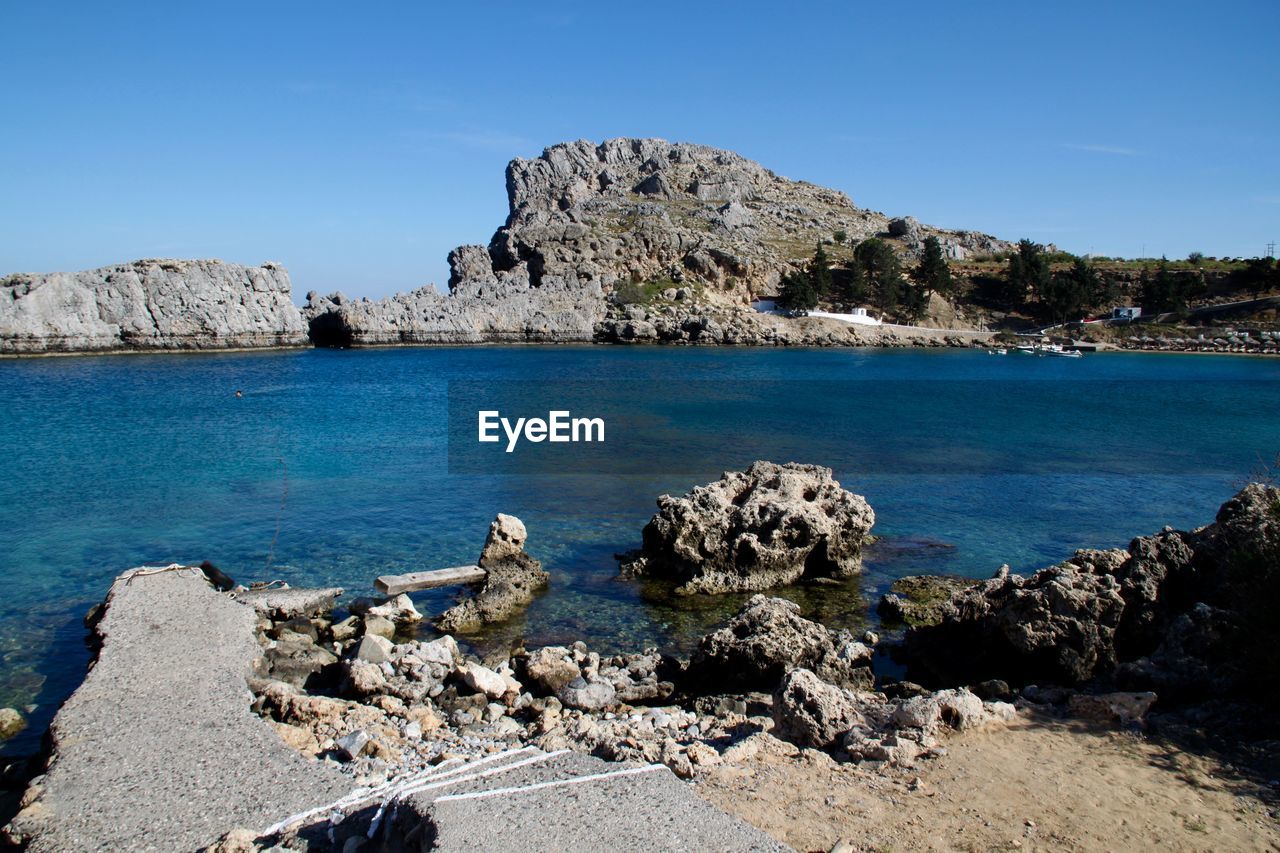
(330, 331)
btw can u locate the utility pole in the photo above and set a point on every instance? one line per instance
(1271, 249)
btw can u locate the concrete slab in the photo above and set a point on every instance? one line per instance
(158, 749)
(290, 602)
(572, 803)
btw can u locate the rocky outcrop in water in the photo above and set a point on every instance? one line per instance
(767, 526)
(769, 638)
(918, 600)
(150, 305)
(513, 579)
(594, 228)
(1184, 613)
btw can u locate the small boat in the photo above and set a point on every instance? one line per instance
(1027, 348)
(998, 351)
(1061, 353)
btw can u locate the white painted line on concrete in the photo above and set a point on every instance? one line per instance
(438, 782)
(577, 780)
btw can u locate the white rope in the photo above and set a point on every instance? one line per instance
(577, 780)
(428, 784)
(359, 796)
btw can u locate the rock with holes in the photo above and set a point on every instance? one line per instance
(513, 579)
(1184, 613)
(809, 712)
(751, 530)
(767, 639)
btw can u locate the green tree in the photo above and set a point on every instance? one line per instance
(1028, 272)
(1067, 293)
(851, 286)
(883, 273)
(820, 273)
(796, 293)
(915, 301)
(1258, 275)
(840, 236)
(933, 274)
(1166, 291)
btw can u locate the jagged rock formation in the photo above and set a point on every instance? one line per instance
(1184, 613)
(767, 526)
(147, 305)
(593, 226)
(514, 578)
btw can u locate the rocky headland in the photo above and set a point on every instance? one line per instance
(150, 305)
(403, 729)
(626, 241)
(638, 240)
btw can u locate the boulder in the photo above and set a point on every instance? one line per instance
(767, 526)
(809, 712)
(351, 746)
(1122, 708)
(365, 679)
(294, 658)
(373, 649)
(11, 722)
(443, 651)
(379, 626)
(505, 541)
(905, 228)
(958, 709)
(550, 668)
(397, 609)
(767, 639)
(587, 695)
(512, 580)
(481, 679)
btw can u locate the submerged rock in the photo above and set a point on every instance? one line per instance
(11, 722)
(918, 599)
(513, 580)
(764, 527)
(767, 639)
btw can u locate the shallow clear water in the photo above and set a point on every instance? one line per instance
(334, 468)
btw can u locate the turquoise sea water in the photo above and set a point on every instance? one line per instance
(334, 468)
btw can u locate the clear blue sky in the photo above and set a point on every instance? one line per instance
(358, 143)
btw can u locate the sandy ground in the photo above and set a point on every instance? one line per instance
(1034, 785)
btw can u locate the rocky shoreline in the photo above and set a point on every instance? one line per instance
(1175, 627)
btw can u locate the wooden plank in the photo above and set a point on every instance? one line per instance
(396, 584)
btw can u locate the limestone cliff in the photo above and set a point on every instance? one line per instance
(149, 305)
(592, 225)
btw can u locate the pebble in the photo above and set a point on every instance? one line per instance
(353, 744)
